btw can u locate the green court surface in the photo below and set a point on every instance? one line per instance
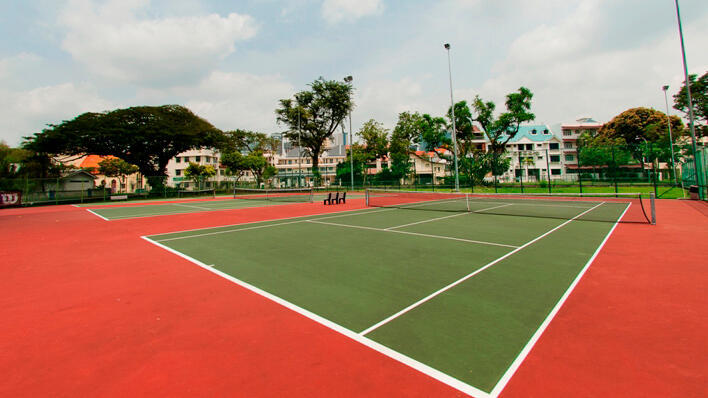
(121, 211)
(457, 294)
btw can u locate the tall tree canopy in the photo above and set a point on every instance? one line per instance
(198, 172)
(503, 128)
(406, 133)
(633, 125)
(244, 150)
(319, 112)
(116, 167)
(375, 138)
(699, 95)
(146, 136)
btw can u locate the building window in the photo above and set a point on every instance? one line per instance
(178, 172)
(555, 172)
(177, 159)
(529, 147)
(570, 158)
(539, 145)
(186, 185)
(545, 131)
(555, 158)
(568, 145)
(553, 145)
(567, 132)
(533, 131)
(198, 159)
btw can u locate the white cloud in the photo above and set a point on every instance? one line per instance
(230, 100)
(571, 76)
(113, 40)
(12, 67)
(23, 113)
(334, 11)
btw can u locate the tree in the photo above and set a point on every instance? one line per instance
(464, 130)
(502, 129)
(361, 158)
(432, 136)
(699, 95)
(318, 112)
(116, 167)
(405, 134)
(11, 160)
(244, 150)
(636, 127)
(146, 136)
(375, 138)
(198, 172)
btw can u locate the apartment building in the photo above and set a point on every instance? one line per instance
(536, 155)
(293, 163)
(570, 134)
(177, 165)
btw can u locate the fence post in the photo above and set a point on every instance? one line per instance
(521, 173)
(56, 192)
(614, 169)
(548, 170)
(580, 172)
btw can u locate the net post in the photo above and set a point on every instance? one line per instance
(467, 199)
(652, 200)
(366, 195)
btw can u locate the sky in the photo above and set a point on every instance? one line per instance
(231, 61)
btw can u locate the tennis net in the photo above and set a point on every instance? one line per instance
(276, 194)
(606, 207)
(196, 193)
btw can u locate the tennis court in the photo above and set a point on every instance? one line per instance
(458, 286)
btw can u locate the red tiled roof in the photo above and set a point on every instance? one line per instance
(93, 161)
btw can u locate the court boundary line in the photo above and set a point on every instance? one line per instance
(389, 352)
(468, 276)
(516, 364)
(256, 227)
(97, 215)
(413, 233)
(445, 217)
(188, 212)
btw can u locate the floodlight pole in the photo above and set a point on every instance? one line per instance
(671, 140)
(452, 109)
(299, 147)
(690, 103)
(349, 79)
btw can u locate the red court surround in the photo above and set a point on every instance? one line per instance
(90, 309)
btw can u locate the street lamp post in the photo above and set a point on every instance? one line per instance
(452, 109)
(299, 148)
(349, 80)
(671, 140)
(690, 103)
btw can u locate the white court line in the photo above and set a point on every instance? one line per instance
(425, 221)
(450, 286)
(173, 213)
(412, 233)
(442, 218)
(364, 211)
(260, 226)
(192, 206)
(96, 214)
(536, 336)
(228, 231)
(419, 366)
